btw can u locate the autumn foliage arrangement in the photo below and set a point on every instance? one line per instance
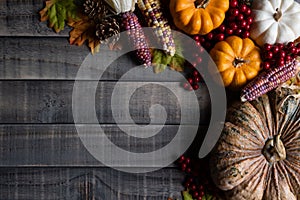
(255, 45)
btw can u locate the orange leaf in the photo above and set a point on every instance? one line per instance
(84, 30)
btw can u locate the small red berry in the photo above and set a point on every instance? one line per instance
(199, 59)
(187, 185)
(248, 27)
(188, 170)
(185, 86)
(201, 188)
(222, 28)
(233, 3)
(181, 159)
(190, 80)
(280, 62)
(229, 31)
(266, 65)
(243, 23)
(195, 194)
(280, 45)
(193, 187)
(249, 20)
(267, 47)
(210, 36)
(268, 55)
(248, 11)
(240, 16)
(233, 25)
(201, 193)
(275, 49)
(290, 44)
(288, 58)
(293, 49)
(246, 34)
(187, 160)
(282, 54)
(243, 8)
(234, 12)
(220, 37)
(238, 31)
(201, 39)
(199, 198)
(195, 86)
(196, 38)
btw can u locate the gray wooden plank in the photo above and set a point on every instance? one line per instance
(88, 183)
(51, 102)
(55, 59)
(60, 145)
(21, 18)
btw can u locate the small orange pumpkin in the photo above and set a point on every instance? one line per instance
(198, 16)
(238, 61)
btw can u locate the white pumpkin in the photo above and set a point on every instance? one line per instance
(121, 6)
(275, 21)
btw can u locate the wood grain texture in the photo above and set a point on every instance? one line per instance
(55, 59)
(21, 18)
(51, 102)
(60, 145)
(87, 184)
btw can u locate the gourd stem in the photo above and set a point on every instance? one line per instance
(201, 3)
(277, 15)
(238, 61)
(274, 150)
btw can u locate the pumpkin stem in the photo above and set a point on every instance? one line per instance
(201, 3)
(274, 150)
(238, 61)
(277, 15)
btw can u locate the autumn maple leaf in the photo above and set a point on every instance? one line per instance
(84, 29)
(56, 12)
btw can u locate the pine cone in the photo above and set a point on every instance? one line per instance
(95, 9)
(108, 30)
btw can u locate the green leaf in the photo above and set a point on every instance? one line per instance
(186, 195)
(158, 68)
(57, 12)
(161, 60)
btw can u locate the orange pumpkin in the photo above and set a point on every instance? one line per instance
(198, 16)
(238, 61)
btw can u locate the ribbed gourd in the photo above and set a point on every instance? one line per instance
(257, 156)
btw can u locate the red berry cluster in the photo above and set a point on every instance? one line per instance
(279, 54)
(193, 76)
(237, 21)
(196, 181)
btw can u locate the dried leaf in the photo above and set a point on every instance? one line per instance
(56, 12)
(84, 30)
(177, 63)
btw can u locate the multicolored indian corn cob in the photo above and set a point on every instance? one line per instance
(136, 34)
(269, 80)
(155, 18)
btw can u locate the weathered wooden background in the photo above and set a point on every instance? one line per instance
(41, 155)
